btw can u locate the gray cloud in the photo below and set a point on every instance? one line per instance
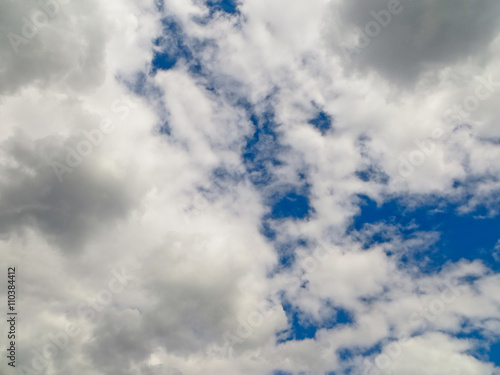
(421, 37)
(66, 48)
(67, 211)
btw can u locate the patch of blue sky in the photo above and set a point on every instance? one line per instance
(260, 154)
(290, 204)
(287, 249)
(323, 122)
(494, 353)
(486, 348)
(267, 230)
(140, 85)
(175, 46)
(223, 177)
(227, 6)
(220, 8)
(461, 236)
(347, 353)
(302, 327)
(171, 47)
(373, 174)
(261, 157)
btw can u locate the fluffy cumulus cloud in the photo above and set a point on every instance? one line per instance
(251, 187)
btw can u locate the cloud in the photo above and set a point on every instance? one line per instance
(407, 41)
(243, 216)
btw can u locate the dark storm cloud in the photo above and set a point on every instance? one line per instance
(402, 40)
(67, 211)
